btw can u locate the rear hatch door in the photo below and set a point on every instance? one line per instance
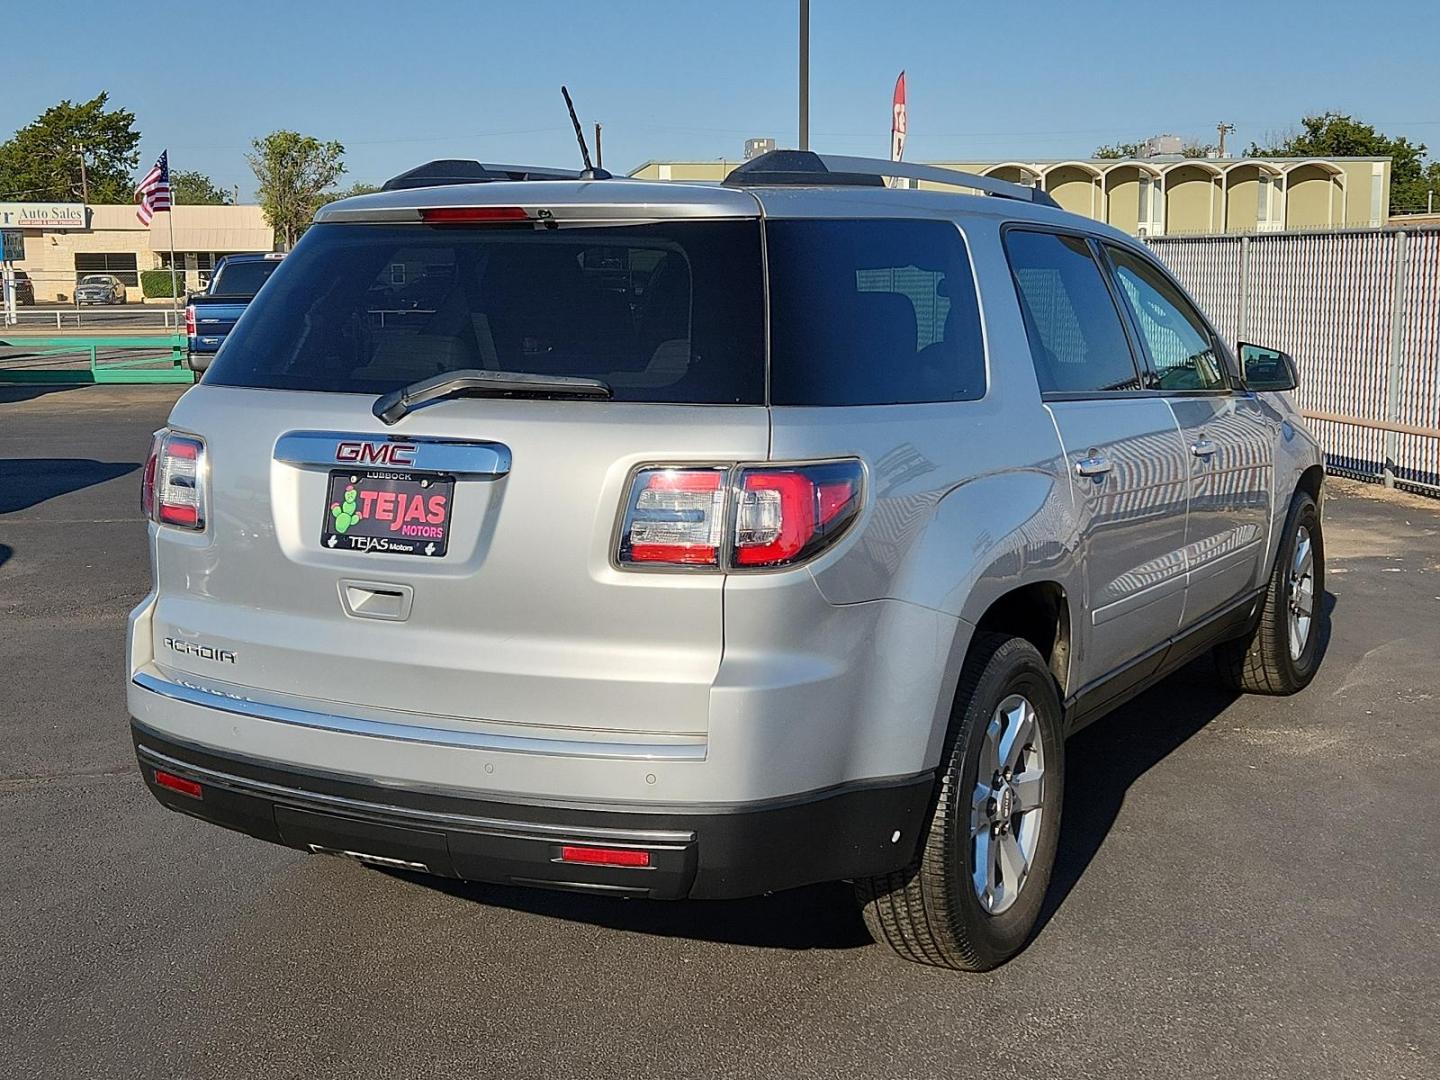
(517, 616)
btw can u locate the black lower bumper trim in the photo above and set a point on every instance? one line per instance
(848, 832)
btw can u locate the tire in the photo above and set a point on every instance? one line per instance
(932, 912)
(1267, 660)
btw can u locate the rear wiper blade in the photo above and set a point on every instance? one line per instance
(391, 407)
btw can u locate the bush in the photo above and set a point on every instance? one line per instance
(156, 283)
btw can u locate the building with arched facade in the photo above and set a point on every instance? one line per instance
(1174, 196)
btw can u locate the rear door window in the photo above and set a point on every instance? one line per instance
(1076, 336)
(664, 312)
(872, 312)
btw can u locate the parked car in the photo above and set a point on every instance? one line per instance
(24, 288)
(211, 314)
(690, 541)
(100, 289)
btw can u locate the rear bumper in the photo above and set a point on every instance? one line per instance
(696, 852)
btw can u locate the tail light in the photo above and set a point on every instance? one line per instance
(147, 482)
(172, 491)
(675, 517)
(749, 517)
(786, 515)
(189, 320)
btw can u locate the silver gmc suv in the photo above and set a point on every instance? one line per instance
(666, 540)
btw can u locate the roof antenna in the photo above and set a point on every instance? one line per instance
(591, 172)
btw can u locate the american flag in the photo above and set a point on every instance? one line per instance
(153, 194)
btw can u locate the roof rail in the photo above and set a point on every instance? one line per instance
(805, 167)
(460, 171)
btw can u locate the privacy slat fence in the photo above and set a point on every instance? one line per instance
(1360, 312)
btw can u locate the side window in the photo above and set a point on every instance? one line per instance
(872, 312)
(1175, 335)
(1076, 336)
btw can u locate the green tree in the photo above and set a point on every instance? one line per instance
(197, 189)
(73, 152)
(294, 174)
(1334, 134)
(1116, 151)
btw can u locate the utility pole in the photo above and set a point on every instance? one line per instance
(804, 74)
(1224, 129)
(84, 177)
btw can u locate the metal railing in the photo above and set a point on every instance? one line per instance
(70, 360)
(1360, 313)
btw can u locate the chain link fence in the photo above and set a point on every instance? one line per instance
(1360, 313)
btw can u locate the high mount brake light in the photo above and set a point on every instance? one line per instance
(460, 215)
(751, 517)
(172, 491)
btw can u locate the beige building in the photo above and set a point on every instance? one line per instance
(64, 242)
(1175, 196)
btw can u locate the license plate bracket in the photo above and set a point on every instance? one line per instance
(381, 511)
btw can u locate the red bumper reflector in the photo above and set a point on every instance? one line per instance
(179, 783)
(599, 856)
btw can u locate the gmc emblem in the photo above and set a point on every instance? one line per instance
(376, 453)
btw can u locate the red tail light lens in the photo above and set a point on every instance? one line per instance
(789, 514)
(675, 517)
(782, 514)
(189, 320)
(173, 491)
(147, 481)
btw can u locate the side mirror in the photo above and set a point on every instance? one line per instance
(1267, 369)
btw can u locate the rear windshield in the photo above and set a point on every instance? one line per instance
(665, 312)
(242, 278)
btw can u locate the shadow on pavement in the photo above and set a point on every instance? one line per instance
(815, 917)
(1102, 762)
(27, 482)
(11, 394)
(5, 552)
(1105, 759)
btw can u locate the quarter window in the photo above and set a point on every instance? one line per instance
(1176, 337)
(1076, 335)
(872, 312)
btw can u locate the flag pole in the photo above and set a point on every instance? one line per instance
(174, 288)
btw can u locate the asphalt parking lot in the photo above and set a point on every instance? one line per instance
(1247, 888)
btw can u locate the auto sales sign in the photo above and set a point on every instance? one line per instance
(35, 215)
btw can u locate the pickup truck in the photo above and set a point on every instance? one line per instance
(209, 315)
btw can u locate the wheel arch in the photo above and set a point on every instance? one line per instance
(1039, 612)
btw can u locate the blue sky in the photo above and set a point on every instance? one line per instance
(399, 83)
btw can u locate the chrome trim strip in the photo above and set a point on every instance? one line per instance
(459, 456)
(525, 829)
(380, 729)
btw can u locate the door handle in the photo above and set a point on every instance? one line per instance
(1094, 465)
(1202, 448)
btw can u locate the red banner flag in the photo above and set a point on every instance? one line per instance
(897, 120)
